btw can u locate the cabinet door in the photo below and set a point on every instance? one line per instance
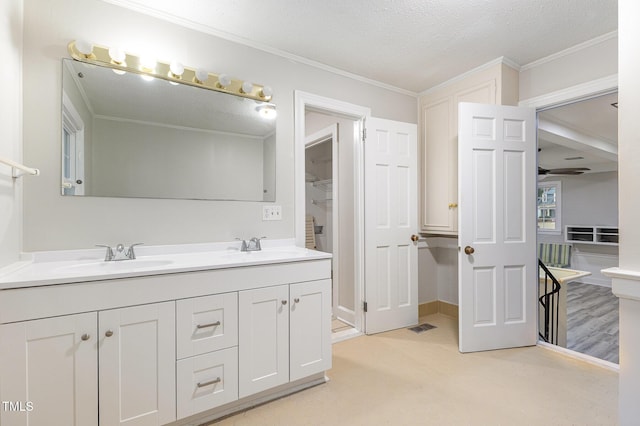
(263, 343)
(137, 365)
(309, 328)
(438, 157)
(49, 371)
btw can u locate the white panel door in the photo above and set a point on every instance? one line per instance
(49, 371)
(498, 274)
(391, 218)
(137, 365)
(263, 342)
(309, 328)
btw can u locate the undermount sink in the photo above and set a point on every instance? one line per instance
(113, 266)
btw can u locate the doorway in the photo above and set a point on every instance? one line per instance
(578, 215)
(328, 131)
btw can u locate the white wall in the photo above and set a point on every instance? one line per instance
(629, 174)
(11, 130)
(51, 25)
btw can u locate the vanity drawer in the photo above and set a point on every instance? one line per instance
(206, 324)
(206, 381)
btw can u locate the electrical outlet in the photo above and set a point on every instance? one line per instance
(271, 212)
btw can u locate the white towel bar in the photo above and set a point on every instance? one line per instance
(17, 168)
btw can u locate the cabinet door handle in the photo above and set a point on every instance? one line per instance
(296, 300)
(210, 382)
(109, 333)
(211, 324)
(284, 302)
(85, 336)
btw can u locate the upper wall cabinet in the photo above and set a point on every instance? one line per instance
(497, 84)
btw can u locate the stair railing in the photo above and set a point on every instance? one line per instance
(550, 302)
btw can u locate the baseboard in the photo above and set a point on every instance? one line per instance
(448, 309)
(428, 308)
(438, 307)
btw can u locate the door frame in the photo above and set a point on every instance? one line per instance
(580, 92)
(302, 102)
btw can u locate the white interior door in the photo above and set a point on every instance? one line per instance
(391, 217)
(498, 272)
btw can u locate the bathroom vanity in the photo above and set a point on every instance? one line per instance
(180, 335)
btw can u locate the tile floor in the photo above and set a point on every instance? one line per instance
(404, 378)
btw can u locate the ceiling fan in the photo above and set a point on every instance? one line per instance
(563, 171)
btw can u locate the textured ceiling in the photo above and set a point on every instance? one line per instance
(409, 44)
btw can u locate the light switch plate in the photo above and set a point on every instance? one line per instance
(271, 212)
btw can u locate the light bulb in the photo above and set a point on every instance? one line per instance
(224, 80)
(117, 56)
(266, 92)
(201, 75)
(247, 87)
(85, 47)
(176, 69)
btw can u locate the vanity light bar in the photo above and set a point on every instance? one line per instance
(94, 54)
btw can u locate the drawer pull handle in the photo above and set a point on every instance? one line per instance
(210, 382)
(211, 324)
(109, 333)
(85, 336)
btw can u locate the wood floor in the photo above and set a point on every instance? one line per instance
(592, 321)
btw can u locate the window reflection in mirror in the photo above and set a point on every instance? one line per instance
(127, 137)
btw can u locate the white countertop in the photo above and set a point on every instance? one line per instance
(71, 266)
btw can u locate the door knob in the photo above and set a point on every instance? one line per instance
(415, 238)
(469, 250)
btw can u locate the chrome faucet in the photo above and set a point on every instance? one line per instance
(252, 245)
(120, 253)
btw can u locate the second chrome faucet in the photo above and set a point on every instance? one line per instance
(252, 245)
(120, 252)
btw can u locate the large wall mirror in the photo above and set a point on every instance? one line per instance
(128, 135)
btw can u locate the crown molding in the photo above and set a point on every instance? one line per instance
(570, 50)
(501, 60)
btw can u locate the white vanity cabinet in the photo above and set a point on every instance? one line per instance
(438, 144)
(49, 370)
(163, 348)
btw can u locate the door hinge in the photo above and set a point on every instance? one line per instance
(364, 306)
(364, 134)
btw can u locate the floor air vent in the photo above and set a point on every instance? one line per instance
(422, 327)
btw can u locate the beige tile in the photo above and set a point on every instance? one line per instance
(404, 378)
